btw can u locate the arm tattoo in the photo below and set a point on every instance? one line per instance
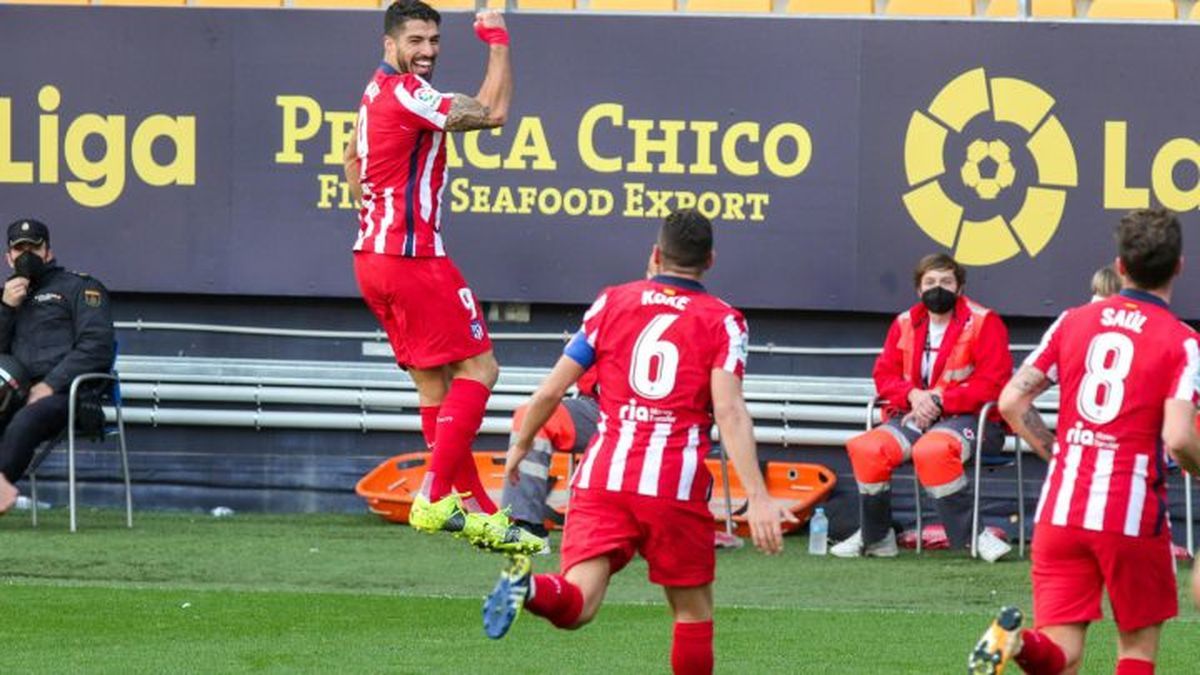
(1029, 380)
(468, 114)
(1043, 438)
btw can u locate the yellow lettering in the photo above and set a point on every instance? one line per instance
(601, 202)
(549, 201)
(685, 199)
(1162, 176)
(530, 142)
(504, 201)
(1116, 194)
(667, 146)
(757, 201)
(453, 159)
(703, 166)
(803, 150)
(329, 190)
(478, 158)
(293, 130)
(341, 130)
(11, 171)
(634, 192)
(481, 193)
(103, 179)
(575, 202)
(460, 198)
(709, 204)
(733, 207)
(729, 155)
(528, 197)
(587, 126)
(49, 99)
(181, 131)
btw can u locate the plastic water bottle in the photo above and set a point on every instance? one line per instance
(818, 533)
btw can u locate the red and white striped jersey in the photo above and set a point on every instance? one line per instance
(655, 345)
(400, 137)
(1117, 362)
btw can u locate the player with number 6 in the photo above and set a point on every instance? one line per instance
(670, 359)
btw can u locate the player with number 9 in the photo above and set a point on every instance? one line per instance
(396, 167)
(670, 359)
(1127, 370)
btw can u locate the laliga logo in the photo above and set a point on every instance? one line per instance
(986, 169)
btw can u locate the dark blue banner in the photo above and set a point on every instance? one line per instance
(200, 150)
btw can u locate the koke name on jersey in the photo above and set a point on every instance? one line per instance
(653, 297)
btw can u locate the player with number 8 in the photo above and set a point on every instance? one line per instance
(1127, 370)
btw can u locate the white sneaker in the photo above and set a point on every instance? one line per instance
(848, 548)
(852, 547)
(990, 547)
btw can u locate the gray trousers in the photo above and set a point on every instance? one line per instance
(527, 499)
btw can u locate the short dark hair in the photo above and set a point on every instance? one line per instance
(686, 239)
(402, 11)
(939, 261)
(1150, 242)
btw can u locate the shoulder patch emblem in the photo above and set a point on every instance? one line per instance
(427, 96)
(92, 297)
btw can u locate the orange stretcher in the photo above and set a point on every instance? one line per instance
(389, 488)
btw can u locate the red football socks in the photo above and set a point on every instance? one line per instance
(429, 415)
(1040, 655)
(467, 478)
(555, 599)
(1134, 667)
(458, 421)
(692, 648)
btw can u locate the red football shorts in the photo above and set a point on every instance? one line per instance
(675, 538)
(430, 315)
(1071, 566)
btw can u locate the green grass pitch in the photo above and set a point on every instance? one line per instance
(252, 593)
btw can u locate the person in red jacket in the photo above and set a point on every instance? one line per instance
(944, 358)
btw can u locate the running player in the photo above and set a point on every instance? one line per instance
(396, 166)
(1127, 370)
(670, 358)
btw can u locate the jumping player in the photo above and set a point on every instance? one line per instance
(670, 358)
(396, 166)
(1127, 370)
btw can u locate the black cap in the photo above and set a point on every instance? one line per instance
(28, 230)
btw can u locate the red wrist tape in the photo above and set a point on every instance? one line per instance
(492, 36)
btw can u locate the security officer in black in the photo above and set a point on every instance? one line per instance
(57, 324)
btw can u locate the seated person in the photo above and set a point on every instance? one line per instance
(943, 359)
(57, 325)
(569, 429)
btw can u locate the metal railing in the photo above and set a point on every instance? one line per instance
(379, 336)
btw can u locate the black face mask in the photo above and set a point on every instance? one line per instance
(939, 300)
(29, 265)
